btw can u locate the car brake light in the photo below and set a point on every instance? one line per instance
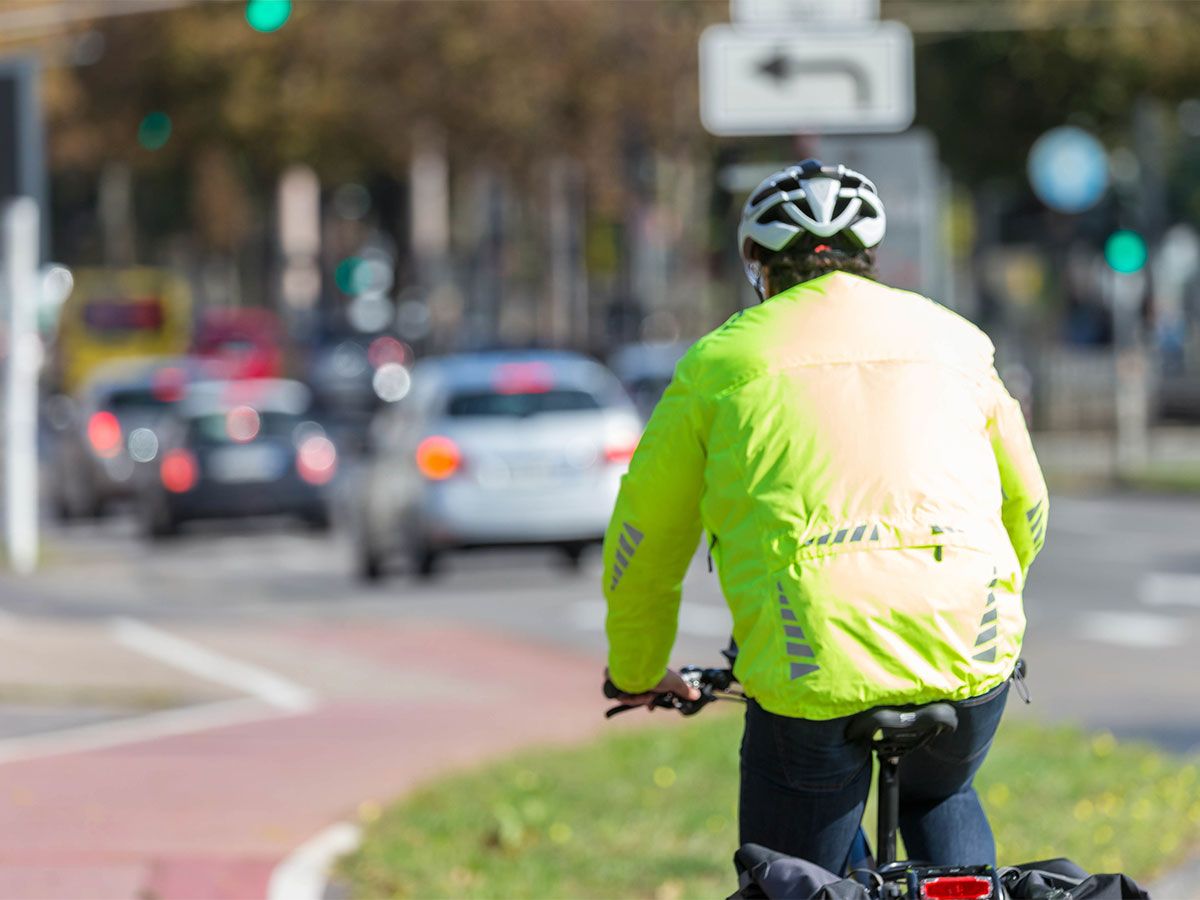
(957, 887)
(620, 453)
(387, 349)
(179, 471)
(523, 378)
(104, 434)
(316, 460)
(168, 384)
(438, 458)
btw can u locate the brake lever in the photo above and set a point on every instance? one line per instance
(663, 701)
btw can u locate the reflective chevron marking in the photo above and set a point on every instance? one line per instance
(624, 556)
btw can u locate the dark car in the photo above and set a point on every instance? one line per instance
(646, 370)
(235, 449)
(350, 377)
(110, 428)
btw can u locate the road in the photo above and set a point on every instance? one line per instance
(147, 679)
(1113, 602)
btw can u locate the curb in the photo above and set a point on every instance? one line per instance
(304, 873)
(1181, 883)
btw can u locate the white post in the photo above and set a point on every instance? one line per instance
(1132, 401)
(20, 239)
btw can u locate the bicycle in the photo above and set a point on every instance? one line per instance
(893, 733)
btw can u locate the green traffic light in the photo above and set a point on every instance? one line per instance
(268, 15)
(154, 130)
(1125, 252)
(343, 275)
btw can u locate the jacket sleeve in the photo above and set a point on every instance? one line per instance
(1026, 504)
(652, 538)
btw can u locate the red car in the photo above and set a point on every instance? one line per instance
(248, 340)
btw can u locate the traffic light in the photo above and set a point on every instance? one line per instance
(1125, 252)
(343, 275)
(154, 130)
(267, 15)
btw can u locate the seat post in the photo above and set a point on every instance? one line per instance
(889, 809)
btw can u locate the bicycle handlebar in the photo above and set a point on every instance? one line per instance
(713, 684)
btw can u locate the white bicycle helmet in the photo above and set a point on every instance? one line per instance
(809, 199)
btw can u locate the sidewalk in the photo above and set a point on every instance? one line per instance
(210, 814)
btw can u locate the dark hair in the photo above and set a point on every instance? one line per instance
(802, 262)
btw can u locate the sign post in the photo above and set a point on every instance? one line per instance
(819, 12)
(20, 226)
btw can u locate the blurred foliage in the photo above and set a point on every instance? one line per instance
(1019, 67)
(342, 86)
(652, 813)
(514, 85)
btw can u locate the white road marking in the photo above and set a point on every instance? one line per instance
(1141, 630)
(302, 875)
(168, 723)
(197, 660)
(697, 621)
(1170, 589)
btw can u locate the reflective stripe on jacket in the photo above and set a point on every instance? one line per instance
(871, 492)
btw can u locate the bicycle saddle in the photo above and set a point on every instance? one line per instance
(902, 729)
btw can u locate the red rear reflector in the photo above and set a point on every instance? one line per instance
(178, 471)
(104, 434)
(523, 378)
(316, 460)
(957, 887)
(438, 457)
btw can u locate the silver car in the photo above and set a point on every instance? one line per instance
(494, 449)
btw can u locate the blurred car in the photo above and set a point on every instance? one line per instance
(494, 449)
(247, 341)
(646, 369)
(234, 449)
(109, 427)
(119, 314)
(344, 375)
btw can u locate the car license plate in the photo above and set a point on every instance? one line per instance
(542, 471)
(238, 464)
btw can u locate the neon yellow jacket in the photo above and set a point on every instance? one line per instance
(870, 492)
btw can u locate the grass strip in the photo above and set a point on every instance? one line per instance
(652, 813)
(1172, 478)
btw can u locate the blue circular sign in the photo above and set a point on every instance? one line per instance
(1068, 169)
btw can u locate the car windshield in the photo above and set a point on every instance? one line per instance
(135, 402)
(494, 404)
(242, 425)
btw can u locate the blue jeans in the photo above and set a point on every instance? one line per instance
(804, 788)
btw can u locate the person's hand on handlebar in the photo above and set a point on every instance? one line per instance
(671, 683)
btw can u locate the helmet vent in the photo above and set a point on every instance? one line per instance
(822, 195)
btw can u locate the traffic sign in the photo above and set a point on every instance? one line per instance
(1068, 169)
(837, 81)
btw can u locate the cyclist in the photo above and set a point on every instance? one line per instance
(872, 503)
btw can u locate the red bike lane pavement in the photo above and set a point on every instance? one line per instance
(211, 813)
